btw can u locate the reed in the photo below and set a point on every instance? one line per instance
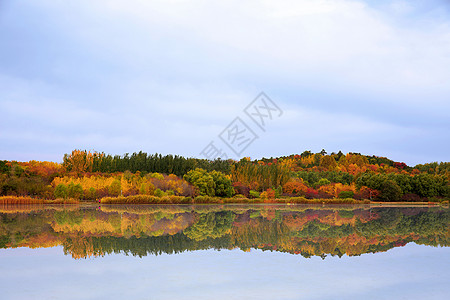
(20, 200)
(148, 199)
(15, 200)
(62, 201)
(326, 201)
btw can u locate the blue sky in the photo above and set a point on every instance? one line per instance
(169, 76)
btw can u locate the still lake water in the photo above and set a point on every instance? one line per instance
(224, 252)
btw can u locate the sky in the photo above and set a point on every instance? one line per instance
(170, 76)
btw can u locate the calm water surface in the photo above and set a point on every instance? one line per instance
(224, 252)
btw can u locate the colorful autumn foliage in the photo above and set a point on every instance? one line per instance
(268, 194)
(97, 186)
(260, 176)
(312, 175)
(295, 187)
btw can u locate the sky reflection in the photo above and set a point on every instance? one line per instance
(410, 272)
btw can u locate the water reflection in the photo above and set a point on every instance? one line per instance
(152, 230)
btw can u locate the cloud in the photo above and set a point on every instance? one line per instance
(340, 37)
(168, 76)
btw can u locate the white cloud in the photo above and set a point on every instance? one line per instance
(348, 40)
(169, 75)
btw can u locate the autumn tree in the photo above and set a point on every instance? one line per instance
(79, 161)
(328, 162)
(295, 187)
(115, 188)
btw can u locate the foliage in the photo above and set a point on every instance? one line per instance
(143, 162)
(346, 194)
(75, 191)
(241, 189)
(254, 194)
(268, 194)
(210, 183)
(92, 175)
(202, 180)
(79, 161)
(295, 187)
(260, 176)
(61, 191)
(115, 188)
(223, 185)
(390, 191)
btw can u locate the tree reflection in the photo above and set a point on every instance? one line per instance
(140, 231)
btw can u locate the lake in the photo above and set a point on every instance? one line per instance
(224, 252)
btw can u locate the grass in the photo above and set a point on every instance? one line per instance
(407, 203)
(62, 201)
(13, 200)
(303, 200)
(20, 200)
(148, 199)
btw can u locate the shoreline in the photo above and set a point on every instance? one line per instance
(201, 200)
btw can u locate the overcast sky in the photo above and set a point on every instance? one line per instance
(169, 76)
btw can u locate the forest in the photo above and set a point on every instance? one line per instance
(155, 178)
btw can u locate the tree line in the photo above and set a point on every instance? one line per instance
(85, 161)
(90, 175)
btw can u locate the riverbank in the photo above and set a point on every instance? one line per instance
(147, 199)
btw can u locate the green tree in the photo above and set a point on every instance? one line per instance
(390, 191)
(253, 194)
(317, 159)
(223, 185)
(159, 193)
(115, 188)
(322, 181)
(61, 191)
(346, 194)
(74, 191)
(91, 194)
(278, 191)
(403, 181)
(427, 185)
(203, 181)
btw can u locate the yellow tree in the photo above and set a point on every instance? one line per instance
(79, 161)
(328, 162)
